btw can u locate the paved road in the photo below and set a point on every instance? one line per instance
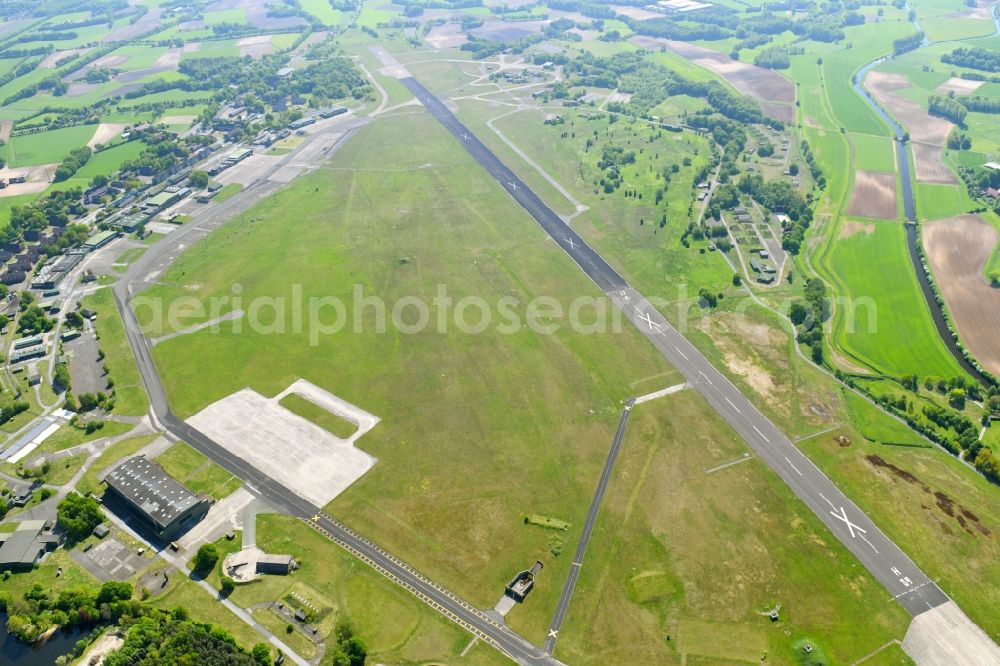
(887, 563)
(588, 528)
(144, 272)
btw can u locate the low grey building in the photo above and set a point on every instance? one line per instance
(156, 498)
(24, 547)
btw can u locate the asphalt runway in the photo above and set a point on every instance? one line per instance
(886, 562)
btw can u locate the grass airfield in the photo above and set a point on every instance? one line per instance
(477, 430)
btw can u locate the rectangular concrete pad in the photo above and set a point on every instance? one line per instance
(311, 462)
(945, 635)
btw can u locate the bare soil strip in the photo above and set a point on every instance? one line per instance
(874, 195)
(959, 86)
(958, 249)
(928, 133)
(105, 132)
(757, 82)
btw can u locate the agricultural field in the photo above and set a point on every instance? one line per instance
(958, 250)
(876, 322)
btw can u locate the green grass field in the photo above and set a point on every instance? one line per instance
(227, 191)
(47, 147)
(892, 328)
(937, 201)
(683, 563)
(197, 472)
(464, 449)
(873, 153)
(627, 230)
(958, 558)
(322, 10)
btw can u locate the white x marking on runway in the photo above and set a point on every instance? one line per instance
(644, 316)
(572, 245)
(553, 633)
(850, 526)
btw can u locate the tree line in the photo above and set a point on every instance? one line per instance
(977, 57)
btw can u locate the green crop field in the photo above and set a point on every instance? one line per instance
(873, 153)
(47, 147)
(460, 418)
(937, 201)
(322, 10)
(683, 563)
(892, 327)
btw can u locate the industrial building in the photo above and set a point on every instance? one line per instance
(156, 498)
(24, 547)
(97, 241)
(166, 198)
(54, 271)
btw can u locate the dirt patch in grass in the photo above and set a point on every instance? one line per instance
(757, 82)
(874, 195)
(54, 57)
(959, 86)
(39, 178)
(446, 36)
(850, 227)
(779, 111)
(958, 249)
(966, 519)
(105, 132)
(110, 61)
(255, 47)
(980, 12)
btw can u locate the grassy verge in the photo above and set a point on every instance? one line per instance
(227, 191)
(197, 472)
(130, 396)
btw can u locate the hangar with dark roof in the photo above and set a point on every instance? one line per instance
(156, 498)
